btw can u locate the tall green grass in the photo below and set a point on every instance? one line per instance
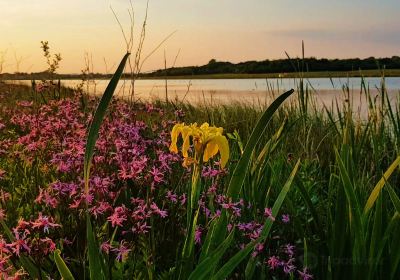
(345, 198)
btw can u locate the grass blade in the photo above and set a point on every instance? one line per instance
(240, 171)
(62, 267)
(393, 196)
(204, 268)
(95, 267)
(376, 236)
(395, 248)
(375, 192)
(356, 225)
(98, 119)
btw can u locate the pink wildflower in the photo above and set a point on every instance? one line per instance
(183, 199)
(122, 252)
(22, 224)
(158, 177)
(48, 245)
(158, 211)
(257, 249)
(273, 262)
(106, 247)
(19, 243)
(285, 218)
(289, 250)
(140, 228)
(118, 217)
(197, 235)
(288, 267)
(268, 214)
(45, 223)
(304, 275)
(3, 246)
(172, 197)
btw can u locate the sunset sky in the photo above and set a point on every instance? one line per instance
(227, 30)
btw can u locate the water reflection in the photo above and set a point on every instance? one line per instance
(250, 91)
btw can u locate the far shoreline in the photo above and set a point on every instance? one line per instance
(290, 75)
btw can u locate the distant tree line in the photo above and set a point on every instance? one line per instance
(50, 76)
(311, 64)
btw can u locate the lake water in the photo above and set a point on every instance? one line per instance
(155, 87)
(251, 91)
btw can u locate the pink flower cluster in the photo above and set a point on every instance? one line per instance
(131, 162)
(29, 237)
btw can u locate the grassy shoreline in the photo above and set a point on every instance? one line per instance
(320, 74)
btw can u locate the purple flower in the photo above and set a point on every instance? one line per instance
(289, 250)
(197, 235)
(285, 218)
(122, 252)
(257, 249)
(118, 217)
(158, 177)
(44, 222)
(304, 275)
(158, 211)
(273, 262)
(288, 267)
(172, 197)
(106, 247)
(268, 214)
(182, 198)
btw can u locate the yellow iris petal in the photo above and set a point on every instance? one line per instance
(217, 143)
(186, 133)
(176, 131)
(210, 150)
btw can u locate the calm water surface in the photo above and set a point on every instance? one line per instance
(249, 85)
(252, 91)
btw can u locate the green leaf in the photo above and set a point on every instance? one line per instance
(95, 267)
(270, 146)
(62, 267)
(98, 119)
(376, 237)
(355, 211)
(240, 171)
(250, 269)
(395, 248)
(215, 236)
(393, 196)
(204, 268)
(395, 255)
(307, 199)
(375, 192)
(189, 242)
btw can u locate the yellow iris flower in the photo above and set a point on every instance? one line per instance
(207, 141)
